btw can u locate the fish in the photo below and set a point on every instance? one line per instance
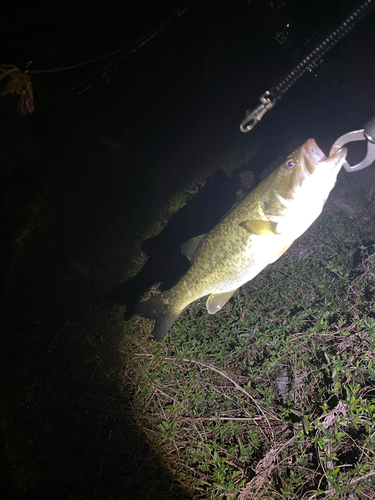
(254, 233)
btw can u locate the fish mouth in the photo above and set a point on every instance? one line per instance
(313, 156)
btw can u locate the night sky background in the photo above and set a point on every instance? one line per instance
(81, 179)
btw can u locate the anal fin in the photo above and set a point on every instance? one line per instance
(217, 300)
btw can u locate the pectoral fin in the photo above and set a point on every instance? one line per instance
(259, 227)
(189, 247)
(217, 300)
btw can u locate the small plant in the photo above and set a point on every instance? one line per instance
(273, 397)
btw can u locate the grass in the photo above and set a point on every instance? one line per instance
(274, 396)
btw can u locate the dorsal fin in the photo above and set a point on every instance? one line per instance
(189, 247)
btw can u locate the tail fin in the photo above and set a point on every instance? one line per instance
(159, 308)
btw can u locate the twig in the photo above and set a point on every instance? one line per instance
(229, 418)
(238, 387)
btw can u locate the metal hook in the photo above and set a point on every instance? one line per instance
(267, 101)
(365, 134)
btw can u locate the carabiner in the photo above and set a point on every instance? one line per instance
(365, 134)
(267, 101)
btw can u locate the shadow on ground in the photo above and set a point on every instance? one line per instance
(67, 431)
(165, 263)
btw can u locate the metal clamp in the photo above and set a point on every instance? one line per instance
(365, 134)
(267, 101)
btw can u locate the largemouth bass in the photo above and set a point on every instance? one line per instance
(254, 233)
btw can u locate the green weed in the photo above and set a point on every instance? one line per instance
(273, 397)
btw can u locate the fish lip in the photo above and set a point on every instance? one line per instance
(314, 156)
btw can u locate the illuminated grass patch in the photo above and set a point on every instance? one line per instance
(274, 396)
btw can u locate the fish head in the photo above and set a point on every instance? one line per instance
(307, 171)
(301, 186)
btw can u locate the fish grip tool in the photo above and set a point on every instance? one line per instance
(365, 134)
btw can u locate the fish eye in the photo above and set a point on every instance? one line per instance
(290, 162)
